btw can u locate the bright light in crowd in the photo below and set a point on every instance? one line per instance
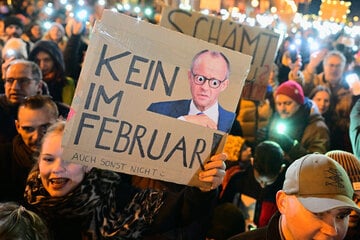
(148, 11)
(205, 11)
(69, 7)
(281, 128)
(186, 7)
(298, 41)
(254, 3)
(297, 18)
(223, 11)
(63, 2)
(137, 9)
(282, 27)
(251, 21)
(241, 17)
(314, 45)
(273, 10)
(305, 24)
(102, 2)
(47, 25)
(355, 31)
(82, 14)
(292, 47)
(49, 10)
(264, 20)
(120, 7)
(81, 2)
(127, 7)
(224, 14)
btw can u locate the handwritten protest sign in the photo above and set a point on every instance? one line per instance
(128, 66)
(257, 42)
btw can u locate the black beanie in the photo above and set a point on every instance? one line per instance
(12, 20)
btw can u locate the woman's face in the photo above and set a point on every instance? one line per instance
(322, 100)
(55, 34)
(58, 177)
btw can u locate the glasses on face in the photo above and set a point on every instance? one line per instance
(21, 81)
(213, 82)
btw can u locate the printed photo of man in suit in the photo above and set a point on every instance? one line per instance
(208, 76)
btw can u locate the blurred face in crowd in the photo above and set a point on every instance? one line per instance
(285, 106)
(205, 68)
(36, 31)
(55, 34)
(354, 219)
(32, 125)
(298, 223)
(333, 69)
(20, 84)
(58, 177)
(322, 100)
(264, 180)
(13, 31)
(45, 62)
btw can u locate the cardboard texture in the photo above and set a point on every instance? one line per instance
(129, 65)
(257, 42)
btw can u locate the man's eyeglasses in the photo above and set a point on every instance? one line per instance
(21, 81)
(213, 82)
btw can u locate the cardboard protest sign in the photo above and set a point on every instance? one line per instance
(129, 65)
(257, 42)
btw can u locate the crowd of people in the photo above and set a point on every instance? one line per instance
(300, 166)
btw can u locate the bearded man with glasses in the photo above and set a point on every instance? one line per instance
(208, 77)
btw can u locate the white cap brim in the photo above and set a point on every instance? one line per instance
(317, 204)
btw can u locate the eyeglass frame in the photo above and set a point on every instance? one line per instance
(207, 79)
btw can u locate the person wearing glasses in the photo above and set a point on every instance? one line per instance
(22, 79)
(35, 115)
(208, 77)
(334, 77)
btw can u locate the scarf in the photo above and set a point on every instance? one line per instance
(112, 209)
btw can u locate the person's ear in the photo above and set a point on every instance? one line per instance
(282, 168)
(39, 90)
(17, 125)
(281, 201)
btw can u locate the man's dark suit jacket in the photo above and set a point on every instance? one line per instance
(179, 108)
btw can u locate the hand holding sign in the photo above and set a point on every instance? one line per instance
(214, 171)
